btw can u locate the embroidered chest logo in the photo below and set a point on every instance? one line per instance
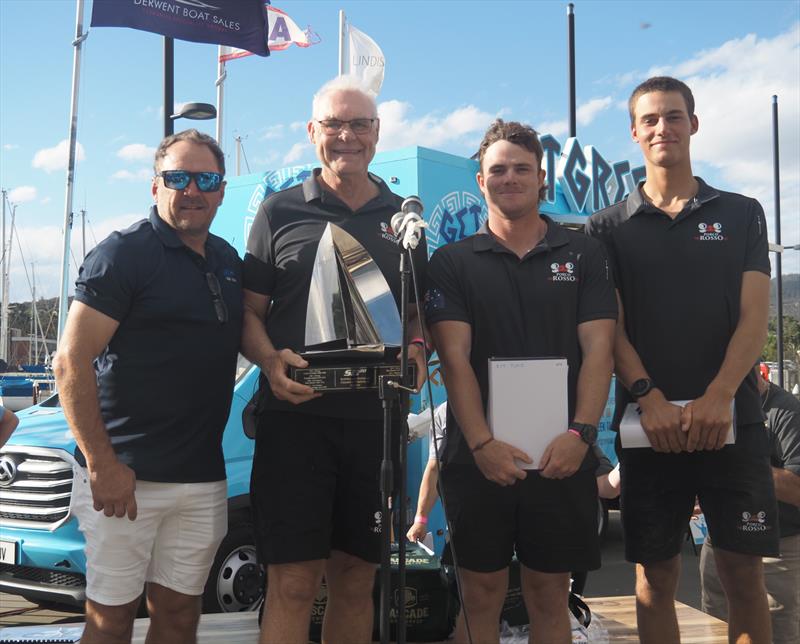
(562, 272)
(710, 232)
(388, 234)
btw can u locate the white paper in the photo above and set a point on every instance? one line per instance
(631, 433)
(427, 543)
(528, 403)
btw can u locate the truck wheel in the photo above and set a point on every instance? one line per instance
(236, 581)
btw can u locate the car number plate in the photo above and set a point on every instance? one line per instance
(8, 552)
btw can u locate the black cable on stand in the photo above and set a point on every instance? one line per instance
(408, 225)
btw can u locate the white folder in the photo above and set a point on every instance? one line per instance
(528, 403)
(631, 433)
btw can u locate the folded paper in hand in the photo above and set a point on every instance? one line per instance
(631, 433)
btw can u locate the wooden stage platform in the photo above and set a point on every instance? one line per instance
(18, 619)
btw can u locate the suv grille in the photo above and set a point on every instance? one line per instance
(35, 487)
(40, 575)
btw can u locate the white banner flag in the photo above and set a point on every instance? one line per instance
(282, 30)
(365, 59)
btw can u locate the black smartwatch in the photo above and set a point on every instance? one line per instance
(587, 432)
(641, 387)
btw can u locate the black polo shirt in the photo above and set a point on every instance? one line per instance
(680, 281)
(525, 307)
(165, 381)
(783, 423)
(279, 261)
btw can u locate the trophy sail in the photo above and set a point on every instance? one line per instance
(351, 317)
(376, 304)
(325, 313)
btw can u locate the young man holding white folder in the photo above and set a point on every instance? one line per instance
(522, 286)
(692, 271)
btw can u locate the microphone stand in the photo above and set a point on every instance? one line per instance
(389, 391)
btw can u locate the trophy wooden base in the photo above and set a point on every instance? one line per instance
(350, 377)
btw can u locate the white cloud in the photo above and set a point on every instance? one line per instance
(142, 174)
(553, 128)
(136, 152)
(297, 125)
(22, 194)
(45, 200)
(43, 245)
(10, 146)
(55, 158)
(587, 112)
(296, 152)
(273, 132)
(733, 87)
(399, 129)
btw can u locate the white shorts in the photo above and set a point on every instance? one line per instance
(172, 541)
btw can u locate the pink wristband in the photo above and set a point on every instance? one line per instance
(420, 342)
(420, 519)
(575, 431)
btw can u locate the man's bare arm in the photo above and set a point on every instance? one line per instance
(258, 348)
(787, 486)
(427, 499)
(660, 419)
(86, 334)
(494, 458)
(563, 456)
(708, 418)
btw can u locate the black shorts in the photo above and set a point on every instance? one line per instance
(550, 524)
(315, 487)
(734, 486)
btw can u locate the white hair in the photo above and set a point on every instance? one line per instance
(345, 83)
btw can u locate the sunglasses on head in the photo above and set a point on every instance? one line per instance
(180, 179)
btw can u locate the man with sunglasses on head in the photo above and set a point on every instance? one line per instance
(315, 484)
(145, 373)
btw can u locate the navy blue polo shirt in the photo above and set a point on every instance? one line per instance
(516, 307)
(680, 282)
(165, 381)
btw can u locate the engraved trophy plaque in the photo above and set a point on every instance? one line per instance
(353, 331)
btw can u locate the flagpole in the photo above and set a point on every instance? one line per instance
(571, 47)
(341, 41)
(73, 133)
(4, 283)
(221, 74)
(776, 170)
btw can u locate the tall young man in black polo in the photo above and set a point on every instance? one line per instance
(692, 272)
(521, 286)
(315, 483)
(163, 295)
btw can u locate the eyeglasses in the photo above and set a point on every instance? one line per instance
(216, 295)
(180, 179)
(358, 126)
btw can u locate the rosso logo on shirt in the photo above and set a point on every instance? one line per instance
(562, 272)
(388, 234)
(710, 232)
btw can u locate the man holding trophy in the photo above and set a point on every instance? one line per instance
(321, 273)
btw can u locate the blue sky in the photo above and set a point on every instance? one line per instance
(451, 68)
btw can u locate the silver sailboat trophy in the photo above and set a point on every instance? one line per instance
(353, 332)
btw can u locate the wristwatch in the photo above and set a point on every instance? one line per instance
(641, 387)
(587, 432)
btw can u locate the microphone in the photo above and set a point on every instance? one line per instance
(408, 223)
